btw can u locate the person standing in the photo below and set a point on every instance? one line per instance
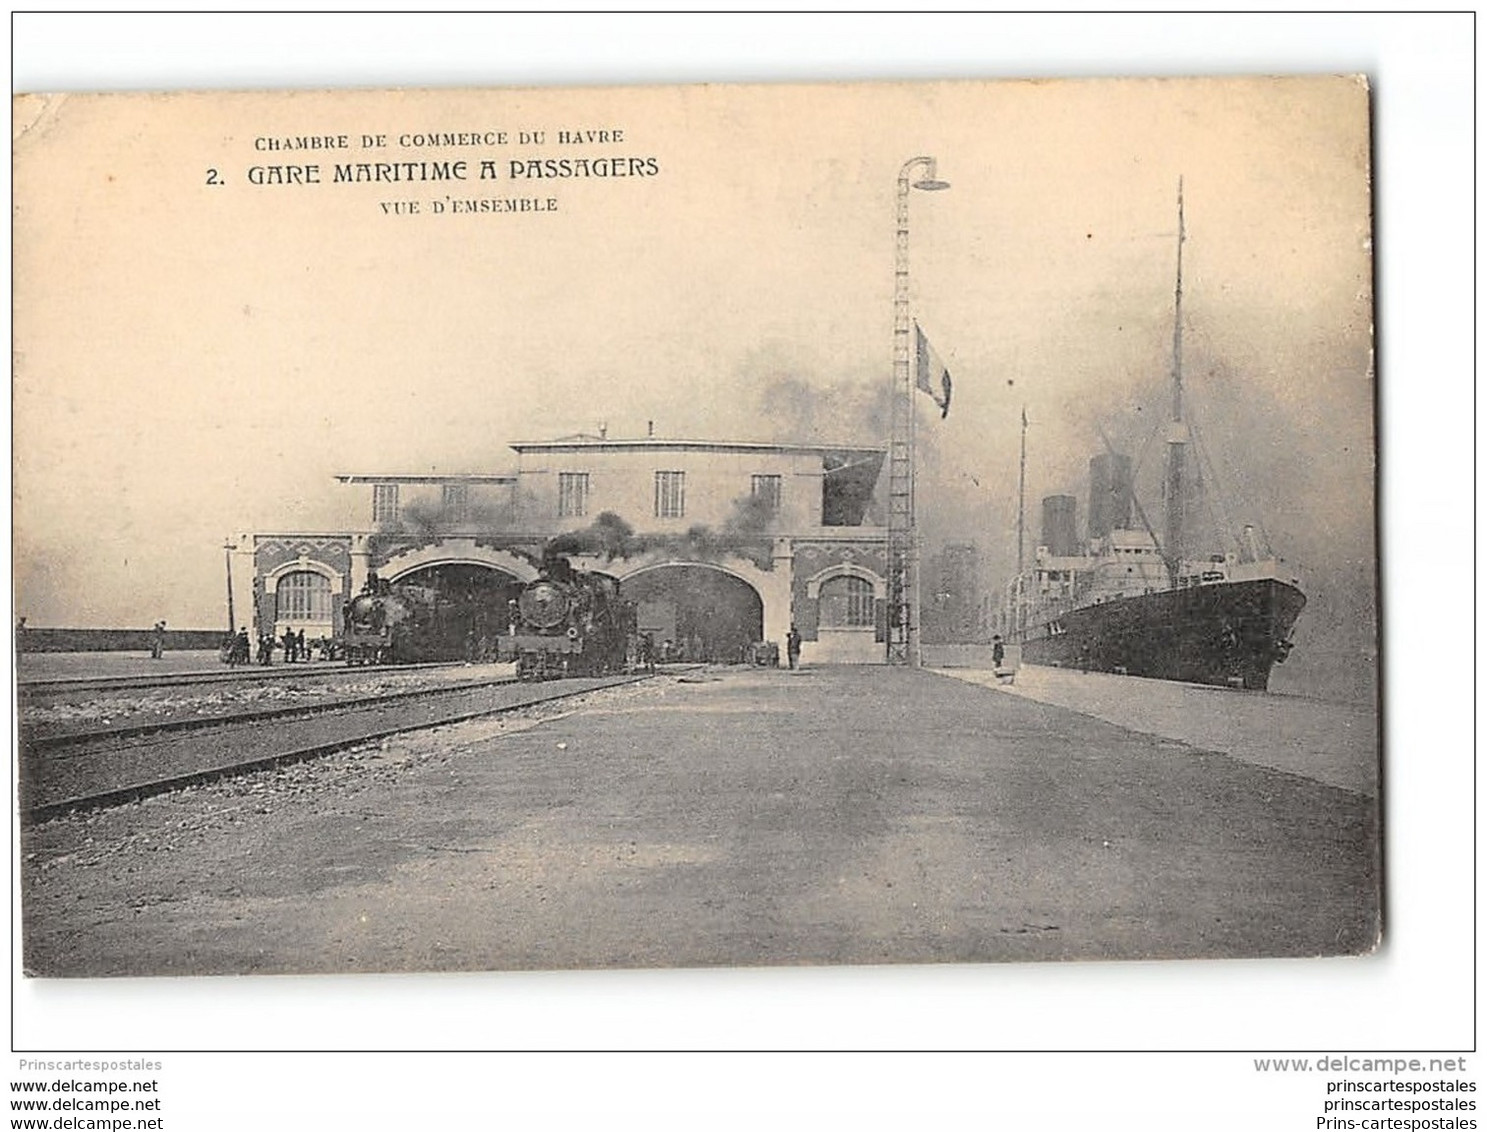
(997, 652)
(792, 646)
(157, 641)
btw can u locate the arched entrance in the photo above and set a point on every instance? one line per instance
(704, 612)
(473, 608)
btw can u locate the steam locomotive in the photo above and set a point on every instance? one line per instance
(407, 623)
(569, 623)
(395, 624)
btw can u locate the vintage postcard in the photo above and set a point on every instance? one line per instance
(695, 526)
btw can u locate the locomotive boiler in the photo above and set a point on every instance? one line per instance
(569, 623)
(395, 624)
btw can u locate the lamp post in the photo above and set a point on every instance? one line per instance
(228, 546)
(903, 535)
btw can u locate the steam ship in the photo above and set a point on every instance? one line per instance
(1135, 602)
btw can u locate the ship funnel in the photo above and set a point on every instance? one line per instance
(1109, 494)
(1251, 545)
(1059, 533)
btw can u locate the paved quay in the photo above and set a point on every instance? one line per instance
(1335, 743)
(738, 816)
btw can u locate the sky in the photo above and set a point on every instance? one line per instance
(196, 359)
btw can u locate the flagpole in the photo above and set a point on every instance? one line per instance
(228, 546)
(903, 533)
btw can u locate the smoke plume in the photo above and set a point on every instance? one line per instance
(609, 537)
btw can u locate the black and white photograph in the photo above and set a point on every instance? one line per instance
(763, 529)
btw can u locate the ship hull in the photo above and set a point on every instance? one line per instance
(1224, 633)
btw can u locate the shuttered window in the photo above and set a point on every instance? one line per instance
(766, 489)
(573, 494)
(385, 503)
(456, 502)
(671, 495)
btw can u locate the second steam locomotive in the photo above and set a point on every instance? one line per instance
(569, 623)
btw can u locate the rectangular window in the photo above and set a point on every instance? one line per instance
(671, 495)
(573, 494)
(384, 503)
(766, 489)
(456, 502)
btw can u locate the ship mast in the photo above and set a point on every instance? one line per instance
(1177, 432)
(1021, 481)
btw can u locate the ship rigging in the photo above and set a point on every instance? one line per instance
(1131, 601)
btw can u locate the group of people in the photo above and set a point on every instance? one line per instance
(294, 646)
(649, 653)
(238, 649)
(645, 652)
(696, 650)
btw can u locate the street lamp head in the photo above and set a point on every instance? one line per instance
(930, 182)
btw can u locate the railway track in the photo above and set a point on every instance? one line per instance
(79, 770)
(68, 685)
(60, 736)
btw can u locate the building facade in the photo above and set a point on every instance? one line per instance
(720, 544)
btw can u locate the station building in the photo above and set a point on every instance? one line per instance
(720, 543)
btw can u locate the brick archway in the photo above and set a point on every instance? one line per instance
(461, 552)
(707, 611)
